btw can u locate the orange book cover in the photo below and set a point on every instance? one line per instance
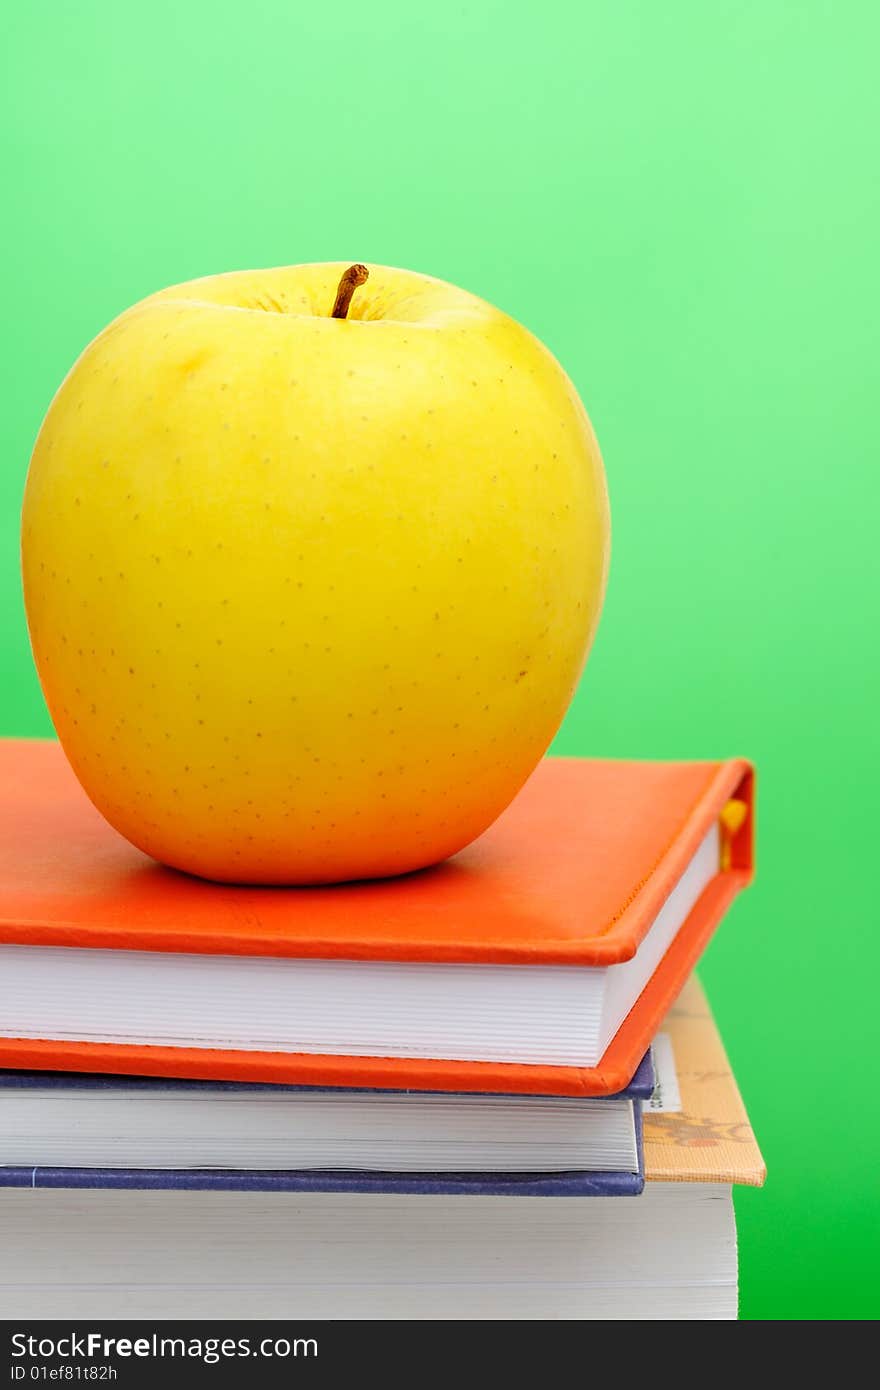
(573, 873)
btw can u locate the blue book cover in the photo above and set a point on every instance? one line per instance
(507, 1184)
(418, 1184)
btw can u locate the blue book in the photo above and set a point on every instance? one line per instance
(90, 1131)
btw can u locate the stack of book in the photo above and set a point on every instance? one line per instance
(432, 1097)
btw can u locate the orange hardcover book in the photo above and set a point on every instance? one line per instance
(540, 959)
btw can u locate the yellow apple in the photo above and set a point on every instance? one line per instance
(309, 594)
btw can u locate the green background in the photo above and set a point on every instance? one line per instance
(682, 201)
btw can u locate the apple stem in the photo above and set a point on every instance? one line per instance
(354, 276)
